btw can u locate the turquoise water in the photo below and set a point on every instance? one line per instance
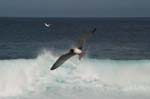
(31, 78)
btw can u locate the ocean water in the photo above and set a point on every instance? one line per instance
(116, 65)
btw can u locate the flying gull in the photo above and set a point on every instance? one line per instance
(47, 25)
(74, 51)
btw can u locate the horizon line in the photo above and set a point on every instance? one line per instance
(72, 17)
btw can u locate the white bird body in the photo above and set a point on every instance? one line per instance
(77, 51)
(47, 25)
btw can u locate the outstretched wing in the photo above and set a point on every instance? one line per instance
(61, 60)
(83, 38)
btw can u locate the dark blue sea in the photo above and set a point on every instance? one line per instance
(116, 64)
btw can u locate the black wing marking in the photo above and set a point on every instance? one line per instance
(83, 38)
(61, 60)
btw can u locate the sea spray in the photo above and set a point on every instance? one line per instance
(23, 77)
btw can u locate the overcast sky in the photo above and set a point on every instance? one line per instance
(75, 8)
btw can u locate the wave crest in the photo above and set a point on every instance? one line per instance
(24, 76)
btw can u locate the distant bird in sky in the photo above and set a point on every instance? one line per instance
(47, 25)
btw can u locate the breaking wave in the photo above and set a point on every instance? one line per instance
(75, 79)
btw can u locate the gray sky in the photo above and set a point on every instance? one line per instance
(75, 8)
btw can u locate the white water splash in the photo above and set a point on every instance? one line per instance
(106, 79)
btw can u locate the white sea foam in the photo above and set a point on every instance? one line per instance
(88, 78)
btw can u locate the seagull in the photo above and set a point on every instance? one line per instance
(47, 25)
(77, 50)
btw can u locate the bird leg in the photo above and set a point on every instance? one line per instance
(81, 55)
